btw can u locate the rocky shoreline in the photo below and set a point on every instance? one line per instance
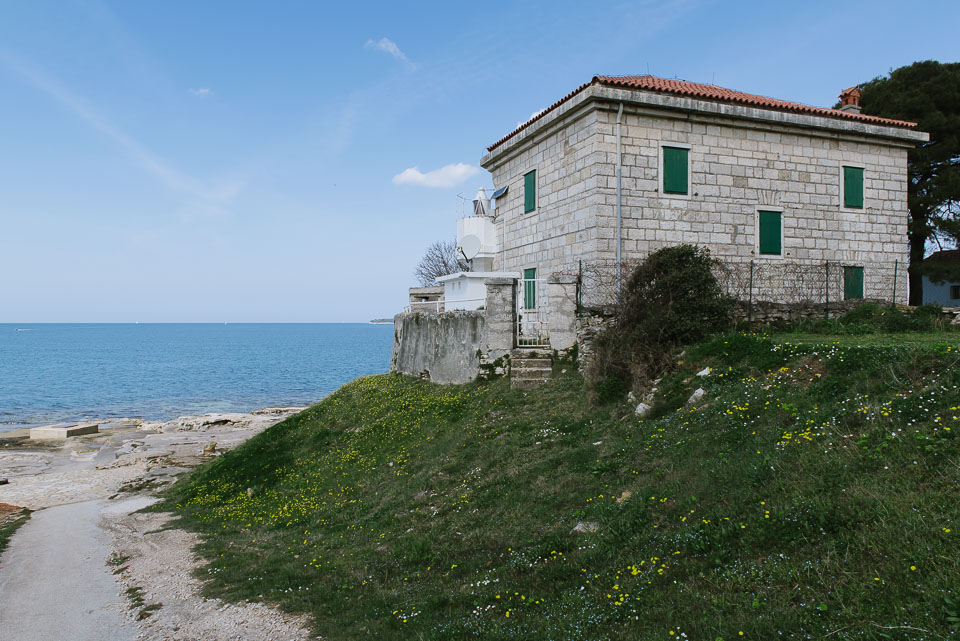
(113, 474)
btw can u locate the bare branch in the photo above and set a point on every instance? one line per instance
(440, 259)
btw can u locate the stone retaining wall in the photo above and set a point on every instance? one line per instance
(457, 346)
(766, 312)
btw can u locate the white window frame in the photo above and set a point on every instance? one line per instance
(756, 232)
(661, 173)
(843, 186)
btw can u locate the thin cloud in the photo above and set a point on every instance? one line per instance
(168, 175)
(389, 46)
(443, 178)
(201, 92)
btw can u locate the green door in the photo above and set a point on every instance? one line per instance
(530, 288)
(852, 282)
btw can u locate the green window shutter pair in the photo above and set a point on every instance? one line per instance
(852, 282)
(853, 187)
(675, 164)
(770, 233)
(529, 191)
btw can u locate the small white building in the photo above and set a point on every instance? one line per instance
(477, 243)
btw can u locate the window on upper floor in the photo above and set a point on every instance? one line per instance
(529, 191)
(853, 187)
(676, 170)
(675, 165)
(769, 233)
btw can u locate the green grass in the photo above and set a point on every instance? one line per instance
(920, 339)
(9, 526)
(814, 495)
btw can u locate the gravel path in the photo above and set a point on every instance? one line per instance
(55, 584)
(57, 577)
(156, 566)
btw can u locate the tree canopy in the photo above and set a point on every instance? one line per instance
(927, 93)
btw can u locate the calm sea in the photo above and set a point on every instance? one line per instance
(61, 372)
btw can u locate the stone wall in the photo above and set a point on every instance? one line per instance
(440, 347)
(589, 324)
(454, 347)
(742, 160)
(562, 311)
(562, 228)
(767, 312)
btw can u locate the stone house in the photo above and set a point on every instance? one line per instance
(810, 202)
(622, 166)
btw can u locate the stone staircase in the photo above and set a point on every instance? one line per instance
(530, 368)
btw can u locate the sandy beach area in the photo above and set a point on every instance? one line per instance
(87, 563)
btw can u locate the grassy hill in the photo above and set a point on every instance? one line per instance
(815, 493)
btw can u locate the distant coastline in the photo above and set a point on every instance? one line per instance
(382, 321)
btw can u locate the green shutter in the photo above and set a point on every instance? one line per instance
(852, 282)
(675, 170)
(770, 233)
(530, 288)
(529, 191)
(853, 187)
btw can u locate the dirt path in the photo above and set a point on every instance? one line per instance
(155, 567)
(87, 567)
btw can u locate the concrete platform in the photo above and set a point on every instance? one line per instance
(62, 432)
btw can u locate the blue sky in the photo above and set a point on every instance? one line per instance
(284, 161)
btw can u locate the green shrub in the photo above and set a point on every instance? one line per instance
(671, 299)
(609, 389)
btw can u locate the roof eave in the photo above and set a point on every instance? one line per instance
(674, 102)
(613, 82)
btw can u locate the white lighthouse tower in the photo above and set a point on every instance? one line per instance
(477, 243)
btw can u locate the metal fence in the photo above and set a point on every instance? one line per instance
(785, 282)
(788, 282)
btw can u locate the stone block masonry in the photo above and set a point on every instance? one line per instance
(562, 309)
(742, 160)
(442, 347)
(455, 347)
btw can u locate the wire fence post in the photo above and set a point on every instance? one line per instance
(896, 266)
(750, 296)
(580, 287)
(826, 289)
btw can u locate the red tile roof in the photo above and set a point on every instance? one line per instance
(707, 92)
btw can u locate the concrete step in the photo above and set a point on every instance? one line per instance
(531, 362)
(524, 383)
(531, 352)
(529, 378)
(530, 368)
(544, 372)
(537, 365)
